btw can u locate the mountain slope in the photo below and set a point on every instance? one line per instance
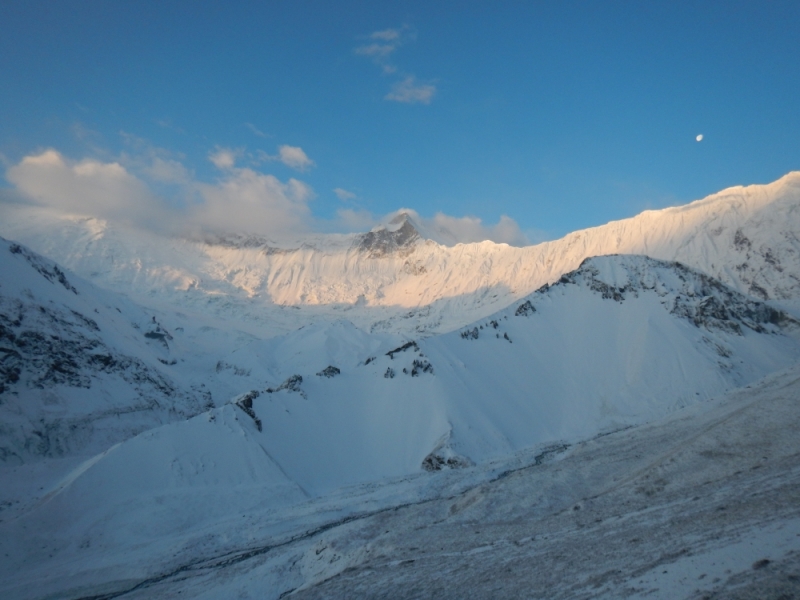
(704, 500)
(80, 368)
(620, 341)
(393, 280)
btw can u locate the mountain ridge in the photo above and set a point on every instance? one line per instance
(743, 235)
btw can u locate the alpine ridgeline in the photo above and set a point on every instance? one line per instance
(397, 279)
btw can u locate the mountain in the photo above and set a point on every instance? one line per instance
(395, 279)
(703, 502)
(619, 341)
(80, 368)
(398, 237)
(202, 405)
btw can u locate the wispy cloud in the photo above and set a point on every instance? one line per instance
(168, 124)
(388, 35)
(377, 51)
(472, 229)
(382, 45)
(256, 130)
(410, 91)
(248, 201)
(157, 164)
(344, 195)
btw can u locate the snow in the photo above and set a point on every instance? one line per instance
(745, 236)
(684, 505)
(229, 417)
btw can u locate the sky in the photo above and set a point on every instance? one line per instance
(512, 121)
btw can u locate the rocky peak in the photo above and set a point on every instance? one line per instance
(398, 236)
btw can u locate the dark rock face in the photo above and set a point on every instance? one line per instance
(43, 346)
(436, 462)
(329, 371)
(403, 348)
(50, 272)
(50, 349)
(703, 300)
(421, 366)
(470, 334)
(377, 244)
(245, 402)
(525, 309)
(158, 333)
(292, 384)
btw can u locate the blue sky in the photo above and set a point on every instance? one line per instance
(558, 115)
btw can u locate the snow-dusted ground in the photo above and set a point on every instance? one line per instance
(702, 504)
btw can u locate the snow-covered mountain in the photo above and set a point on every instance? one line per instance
(202, 401)
(621, 340)
(394, 279)
(80, 368)
(706, 499)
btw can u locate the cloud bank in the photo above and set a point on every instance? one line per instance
(90, 187)
(240, 200)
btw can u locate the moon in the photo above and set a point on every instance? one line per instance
(699, 138)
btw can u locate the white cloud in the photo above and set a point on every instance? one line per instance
(294, 157)
(248, 201)
(377, 51)
(472, 229)
(90, 187)
(154, 163)
(410, 91)
(387, 35)
(242, 200)
(167, 171)
(389, 41)
(441, 228)
(344, 195)
(224, 158)
(449, 230)
(351, 220)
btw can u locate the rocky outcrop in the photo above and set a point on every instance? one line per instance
(398, 238)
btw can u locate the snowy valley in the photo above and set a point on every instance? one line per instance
(380, 414)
